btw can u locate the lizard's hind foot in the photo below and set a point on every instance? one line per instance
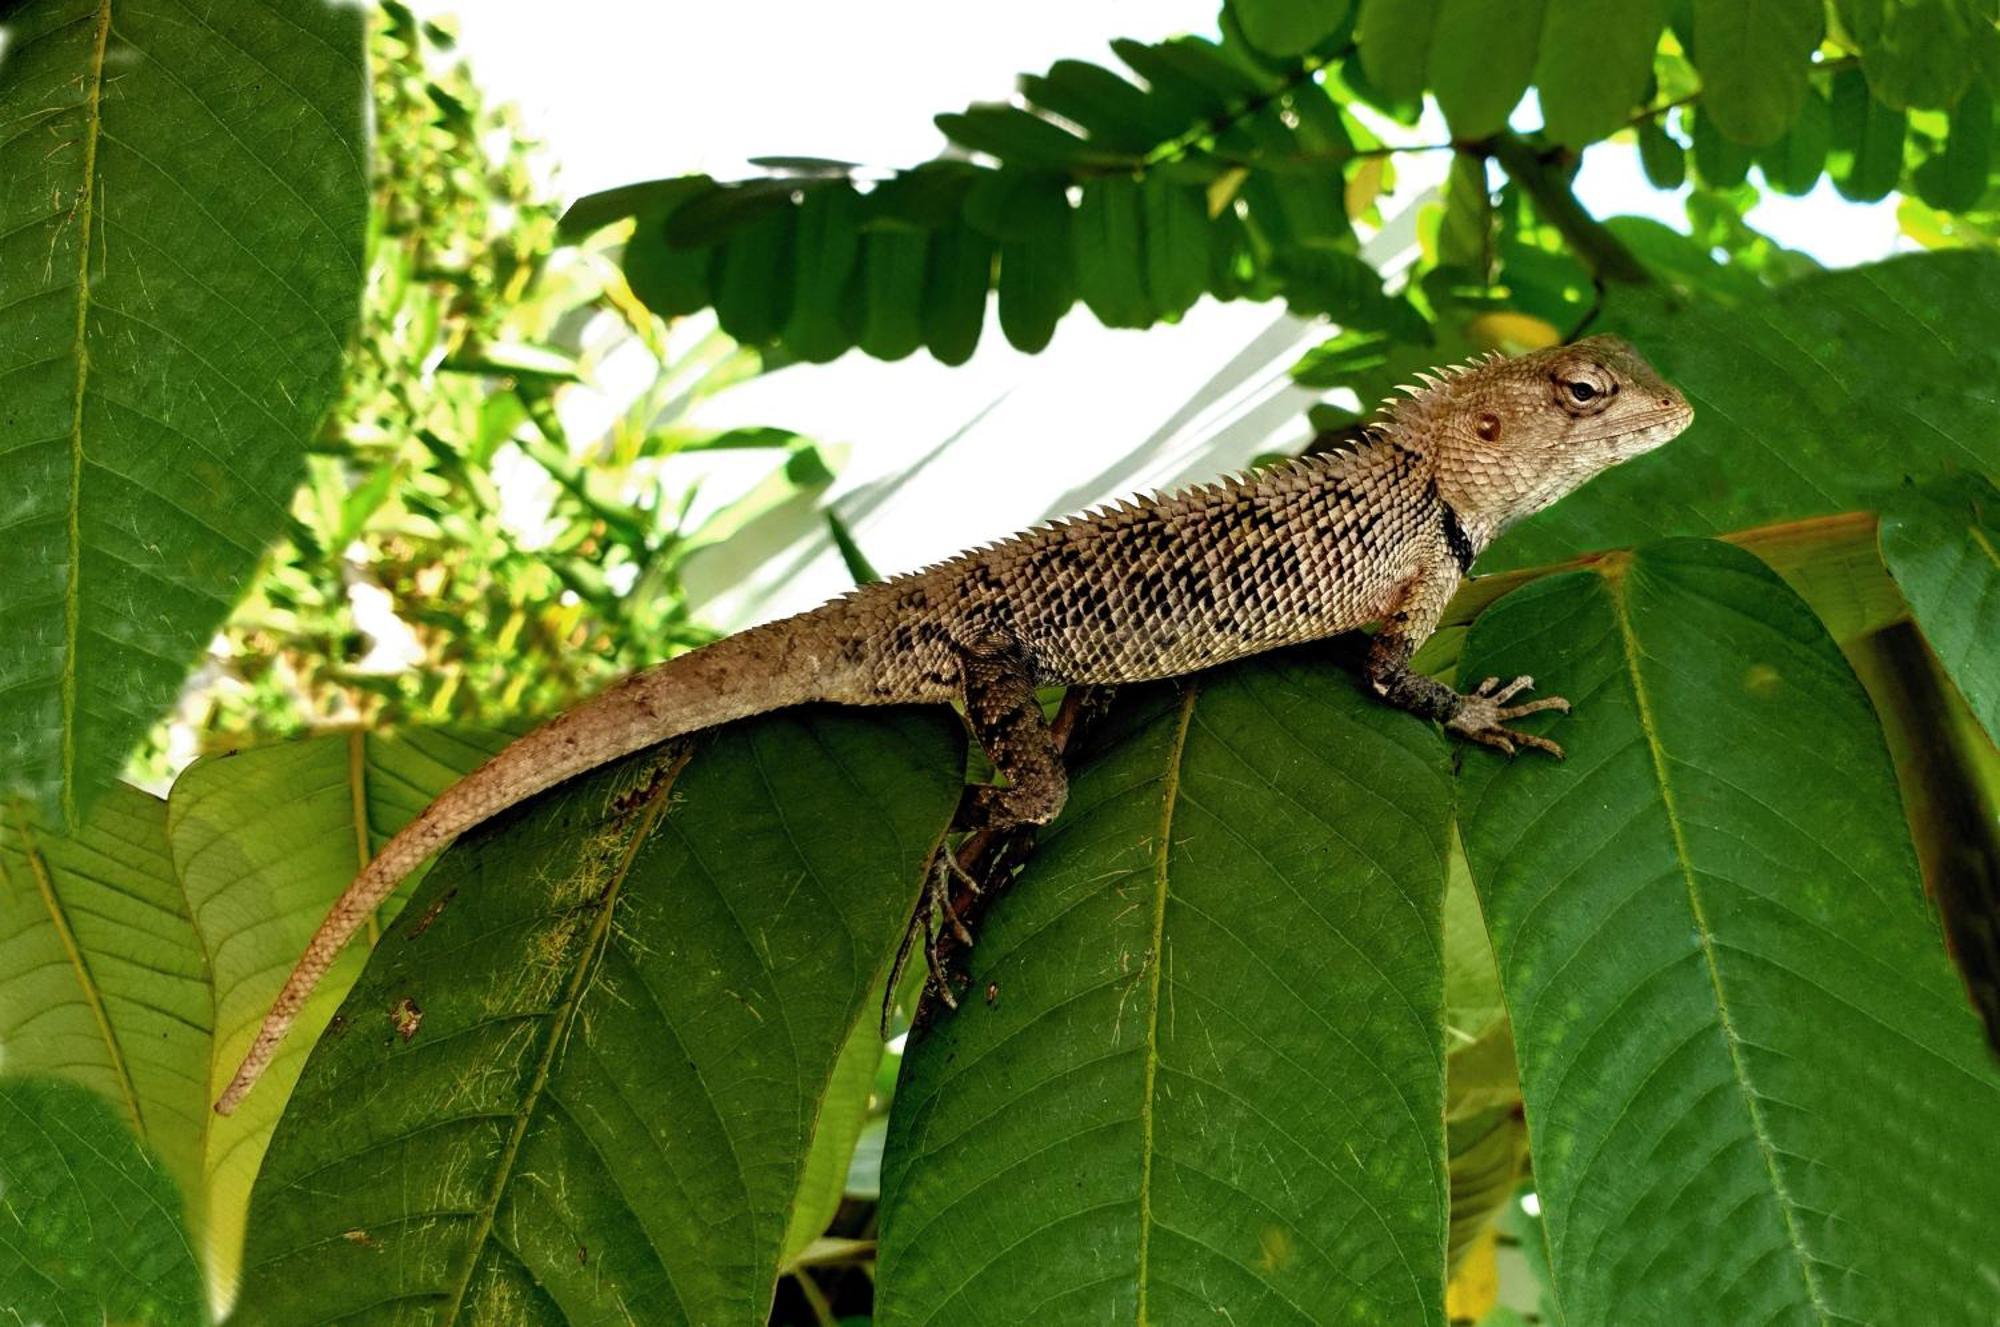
(1483, 712)
(936, 919)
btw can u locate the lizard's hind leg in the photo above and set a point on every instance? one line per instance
(1006, 720)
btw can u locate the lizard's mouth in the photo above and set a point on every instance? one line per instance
(1637, 434)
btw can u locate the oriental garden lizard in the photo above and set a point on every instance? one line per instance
(1147, 589)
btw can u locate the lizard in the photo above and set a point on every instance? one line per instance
(1154, 587)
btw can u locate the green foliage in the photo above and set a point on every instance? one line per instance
(90, 1229)
(1235, 1044)
(1227, 947)
(683, 947)
(1747, 1067)
(166, 350)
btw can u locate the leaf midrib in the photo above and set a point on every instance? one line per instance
(1169, 799)
(93, 996)
(1615, 576)
(558, 1034)
(72, 589)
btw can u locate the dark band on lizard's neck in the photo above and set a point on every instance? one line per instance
(1457, 539)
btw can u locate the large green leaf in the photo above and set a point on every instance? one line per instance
(1754, 1091)
(1198, 1076)
(583, 1082)
(90, 1229)
(102, 979)
(262, 842)
(1942, 544)
(180, 265)
(1819, 396)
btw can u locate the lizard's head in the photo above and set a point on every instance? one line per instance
(1510, 436)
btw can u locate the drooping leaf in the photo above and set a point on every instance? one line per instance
(1395, 41)
(1941, 542)
(1465, 233)
(1661, 155)
(1866, 155)
(1176, 244)
(1595, 59)
(262, 842)
(1037, 283)
(1752, 57)
(180, 265)
(1753, 1087)
(1288, 27)
(1815, 397)
(1955, 178)
(1198, 1072)
(1792, 165)
(669, 280)
(892, 290)
(1721, 163)
(753, 275)
(959, 275)
(1111, 252)
(1482, 56)
(90, 1227)
(584, 1081)
(825, 249)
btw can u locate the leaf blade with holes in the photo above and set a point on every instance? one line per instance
(1750, 1076)
(518, 1026)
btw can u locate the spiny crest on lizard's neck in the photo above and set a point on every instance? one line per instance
(1405, 418)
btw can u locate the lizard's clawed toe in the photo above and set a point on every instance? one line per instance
(1484, 710)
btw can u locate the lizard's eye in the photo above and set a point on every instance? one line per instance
(1583, 387)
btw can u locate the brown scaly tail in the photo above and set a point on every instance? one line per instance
(770, 667)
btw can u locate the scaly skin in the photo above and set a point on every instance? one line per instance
(1152, 588)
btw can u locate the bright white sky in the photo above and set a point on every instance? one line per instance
(623, 90)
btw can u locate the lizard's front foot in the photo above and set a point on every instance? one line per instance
(1483, 711)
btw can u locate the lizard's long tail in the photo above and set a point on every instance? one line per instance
(782, 663)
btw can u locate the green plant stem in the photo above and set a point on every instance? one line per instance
(1536, 171)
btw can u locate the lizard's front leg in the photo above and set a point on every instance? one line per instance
(1480, 714)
